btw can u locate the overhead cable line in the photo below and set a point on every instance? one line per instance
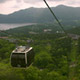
(62, 29)
(55, 17)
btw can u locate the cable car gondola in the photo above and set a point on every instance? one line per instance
(22, 56)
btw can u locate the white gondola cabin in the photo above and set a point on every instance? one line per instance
(22, 56)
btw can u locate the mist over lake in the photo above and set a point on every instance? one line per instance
(6, 26)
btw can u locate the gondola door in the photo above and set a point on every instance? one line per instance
(14, 59)
(21, 60)
(18, 60)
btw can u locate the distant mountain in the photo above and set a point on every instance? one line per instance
(66, 14)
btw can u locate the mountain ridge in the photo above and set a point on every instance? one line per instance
(42, 15)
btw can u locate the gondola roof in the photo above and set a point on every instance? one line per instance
(22, 49)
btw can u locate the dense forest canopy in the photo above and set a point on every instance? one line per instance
(56, 56)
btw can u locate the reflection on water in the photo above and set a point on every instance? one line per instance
(9, 26)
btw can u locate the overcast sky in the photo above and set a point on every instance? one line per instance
(9, 6)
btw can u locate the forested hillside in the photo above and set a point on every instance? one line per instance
(75, 30)
(56, 56)
(40, 29)
(48, 64)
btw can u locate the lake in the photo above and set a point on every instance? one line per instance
(7, 26)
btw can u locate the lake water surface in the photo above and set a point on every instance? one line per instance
(9, 26)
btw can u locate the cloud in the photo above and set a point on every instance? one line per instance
(73, 2)
(56, 0)
(16, 6)
(2, 1)
(9, 6)
(19, 1)
(30, 1)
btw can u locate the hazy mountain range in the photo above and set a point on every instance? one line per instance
(65, 14)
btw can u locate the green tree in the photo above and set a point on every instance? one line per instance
(42, 60)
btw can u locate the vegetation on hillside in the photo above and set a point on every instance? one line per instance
(56, 56)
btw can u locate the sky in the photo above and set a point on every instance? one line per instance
(10, 6)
